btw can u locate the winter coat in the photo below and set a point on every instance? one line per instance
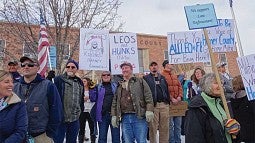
(163, 84)
(43, 105)
(141, 96)
(13, 121)
(244, 113)
(174, 85)
(97, 95)
(59, 81)
(201, 126)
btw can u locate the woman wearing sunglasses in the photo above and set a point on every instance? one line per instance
(102, 95)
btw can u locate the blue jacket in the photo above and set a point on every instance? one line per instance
(60, 84)
(13, 121)
(97, 95)
(43, 105)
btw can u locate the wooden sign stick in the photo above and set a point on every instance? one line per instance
(216, 73)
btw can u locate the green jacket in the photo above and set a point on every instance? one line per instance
(141, 97)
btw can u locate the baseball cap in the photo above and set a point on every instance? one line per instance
(221, 64)
(165, 62)
(30, 58)
(126, 64)
(153, 63)
(12, 62)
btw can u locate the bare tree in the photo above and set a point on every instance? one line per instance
(61, 16)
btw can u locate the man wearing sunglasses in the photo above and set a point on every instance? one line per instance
(43, 103)
(71, 89)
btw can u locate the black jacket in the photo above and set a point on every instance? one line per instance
(200, 124)
(244, 113)
(163, 84)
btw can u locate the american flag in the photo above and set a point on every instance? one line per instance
(43, 46)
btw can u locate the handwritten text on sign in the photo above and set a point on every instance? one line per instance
(201, 16)
(190, 46)
(123, 48)
(246, 66)
(94, 49)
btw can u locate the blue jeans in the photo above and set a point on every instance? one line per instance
(69, 130)
(134, 129)
(103, 130)
(175, 129)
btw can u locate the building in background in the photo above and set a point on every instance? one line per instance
(150, 48)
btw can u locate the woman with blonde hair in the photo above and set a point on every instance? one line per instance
(13, 114)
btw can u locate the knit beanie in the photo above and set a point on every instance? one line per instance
(74, 62)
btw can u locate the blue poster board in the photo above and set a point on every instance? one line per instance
(53, 57)
(201, 16)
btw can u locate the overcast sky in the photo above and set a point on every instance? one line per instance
(161, 16)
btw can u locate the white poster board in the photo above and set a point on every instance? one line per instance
(183, 48)
(246, 66)
(123, 48)
(191, 47)
(94, 49)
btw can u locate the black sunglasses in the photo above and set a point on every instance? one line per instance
(28, 64)
(106, 75)
(72, 67)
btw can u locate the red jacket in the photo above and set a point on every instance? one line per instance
(174, 85)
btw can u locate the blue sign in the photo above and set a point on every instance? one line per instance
(53, 57)
(201, 16)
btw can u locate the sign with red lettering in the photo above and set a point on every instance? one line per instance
(123, 48)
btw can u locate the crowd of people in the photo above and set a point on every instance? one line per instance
(34, 109)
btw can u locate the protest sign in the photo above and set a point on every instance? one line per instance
(200, 16)
(94, 49)
(222, 37)
(246, 66)
(123, 48)
(178, 109)
(191, 46)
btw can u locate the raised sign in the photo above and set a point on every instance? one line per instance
(201, 16)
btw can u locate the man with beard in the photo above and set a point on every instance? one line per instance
(160, 94)
(71, 89)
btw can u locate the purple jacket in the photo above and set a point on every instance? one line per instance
(97, 95)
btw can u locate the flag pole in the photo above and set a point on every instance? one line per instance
(240, 49)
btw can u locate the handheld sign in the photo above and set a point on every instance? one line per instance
(247, 69)
(123, 48)
(94, 49)
(201, 16)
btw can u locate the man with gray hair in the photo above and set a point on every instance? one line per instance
(71, 90)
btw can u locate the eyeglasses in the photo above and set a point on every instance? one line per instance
(72, 67)
(28, 64)
(106, 75)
